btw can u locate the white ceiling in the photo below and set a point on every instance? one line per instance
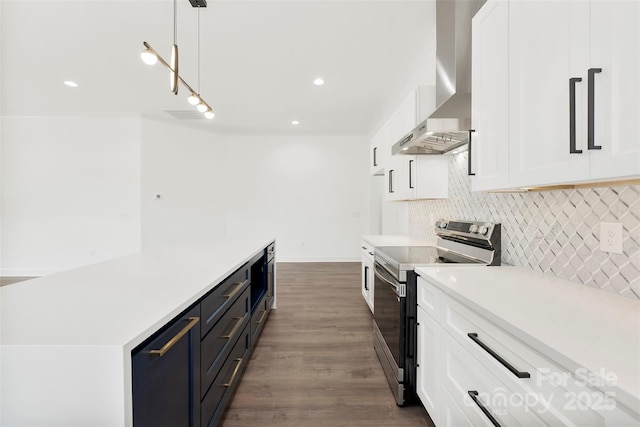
(258, 59)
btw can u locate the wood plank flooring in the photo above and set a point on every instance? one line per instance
(314, 364)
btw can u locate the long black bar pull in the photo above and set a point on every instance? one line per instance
(572, 115)
(474, 395)
(469, 159)
(514, 371)
(591, 136)
(410, 174)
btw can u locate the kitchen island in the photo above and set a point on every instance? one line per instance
(67, 339)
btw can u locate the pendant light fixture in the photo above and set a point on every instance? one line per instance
(150, 56)
(173, 74)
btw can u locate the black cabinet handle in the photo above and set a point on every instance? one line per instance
(474, 396)
(591, 137)
(572, 115)
(514, 371)
(391, 181)
(375, 156)
(410, 173)
(469, 159)
(366, 277)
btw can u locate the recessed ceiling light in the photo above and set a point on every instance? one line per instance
(318, 82)
(295, 122)
(71, 84)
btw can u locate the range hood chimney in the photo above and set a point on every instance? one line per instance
(447, 128)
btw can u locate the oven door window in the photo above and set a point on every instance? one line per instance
(389, 312)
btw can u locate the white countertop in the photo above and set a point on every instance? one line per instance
(396, 240)
(66, 339)
(572, 324)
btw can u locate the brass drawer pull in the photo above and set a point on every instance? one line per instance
(264, 313)
(235, 372)
(234, 330)
(235, 290)
(175, 339)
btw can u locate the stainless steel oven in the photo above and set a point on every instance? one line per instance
(395, 288)
(389, 326)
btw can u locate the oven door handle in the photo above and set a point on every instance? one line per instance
(395, 287)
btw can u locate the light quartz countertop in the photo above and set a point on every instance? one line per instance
(66, 339)
(377, 240)
(572, 324)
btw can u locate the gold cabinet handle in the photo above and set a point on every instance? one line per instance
(175, 339)
(235, 372)
(235, 290)
(234, 330)
(264, 313)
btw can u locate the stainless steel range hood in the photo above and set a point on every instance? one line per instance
(448, 126)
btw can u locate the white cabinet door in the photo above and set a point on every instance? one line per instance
(615, 49)
(367, 275)
(400, 174)
(428, 371)
(376, 154)
(430, 177)
(549, 42)
(489, 145)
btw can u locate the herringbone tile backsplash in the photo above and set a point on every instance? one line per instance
(556, 232)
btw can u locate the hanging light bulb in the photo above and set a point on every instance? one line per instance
(149, 57)
(202, 107)
(193, 99)
(209, 114)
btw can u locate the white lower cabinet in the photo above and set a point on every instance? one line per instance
(428, 373)
(367, 277)
(473, 372)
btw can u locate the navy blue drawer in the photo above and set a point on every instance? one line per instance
(215, 304)
(217, 345)
(221, 391)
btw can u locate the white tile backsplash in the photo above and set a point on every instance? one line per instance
(555, 232)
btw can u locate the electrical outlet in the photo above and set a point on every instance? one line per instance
(611, 237)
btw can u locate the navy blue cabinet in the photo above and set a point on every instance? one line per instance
(186, 374)
(166, 375)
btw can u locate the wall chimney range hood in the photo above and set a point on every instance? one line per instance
(447, 128)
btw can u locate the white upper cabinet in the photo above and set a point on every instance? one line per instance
(615, 48)
(556, 94)
(548, 47)
(410, 177)
(490, 97)
(377, 153)
(567, 58)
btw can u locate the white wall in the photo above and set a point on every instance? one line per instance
(78, 190)
(188, 169)
(70, 191)
(310, 192)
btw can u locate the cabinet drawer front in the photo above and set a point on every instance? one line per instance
(222, 297)
(217, 345)
(367, 251)
(218, 396)
(464, 376)
(258, 319)
(554, 389)
(429, 298)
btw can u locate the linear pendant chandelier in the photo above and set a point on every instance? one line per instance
(150, 56)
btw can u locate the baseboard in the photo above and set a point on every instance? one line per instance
(317, 259)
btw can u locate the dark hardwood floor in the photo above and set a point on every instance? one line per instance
(314, 364)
